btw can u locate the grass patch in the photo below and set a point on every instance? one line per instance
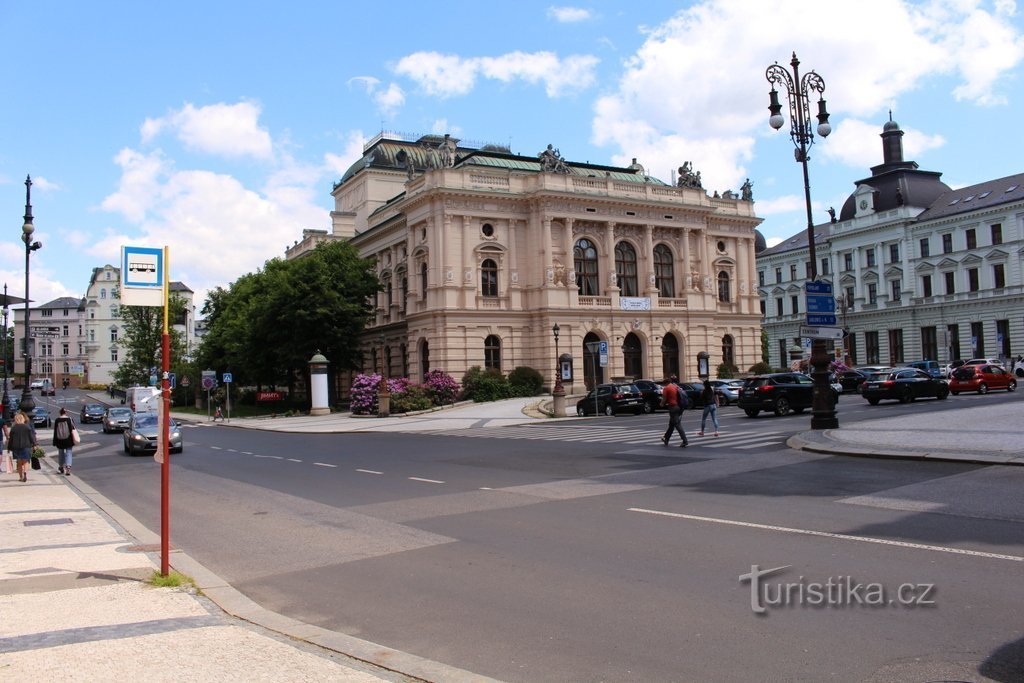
(173, 580)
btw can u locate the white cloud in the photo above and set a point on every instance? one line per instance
(856, 143)
(337, 164)
(230, 130)
(388, 100)
(569, 15)
(687, 94)
(450, 75)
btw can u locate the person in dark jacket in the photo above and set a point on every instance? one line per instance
(64, 439)
(20, 442)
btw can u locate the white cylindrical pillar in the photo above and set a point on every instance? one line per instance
(318, 385)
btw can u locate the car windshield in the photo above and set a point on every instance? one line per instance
(145, 421)
(94, 406)
(878, 376)
(120, 412)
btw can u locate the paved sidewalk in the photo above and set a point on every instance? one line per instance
(75, 605)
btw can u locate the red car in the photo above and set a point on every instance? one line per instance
(981, 378)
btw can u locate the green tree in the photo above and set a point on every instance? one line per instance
(764, 345)
(140, 340)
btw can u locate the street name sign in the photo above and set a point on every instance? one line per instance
(821, 304)
(821, 332)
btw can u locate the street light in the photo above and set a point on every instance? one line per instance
(4, 412)
(799, 91)
(559, 389)
(27, 402)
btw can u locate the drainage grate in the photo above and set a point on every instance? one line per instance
(48, 522)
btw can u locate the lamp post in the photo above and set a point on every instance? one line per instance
(799, 91)
(558, 392)
(5, 412)
(27, 402)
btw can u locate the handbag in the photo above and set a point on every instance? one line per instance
(35, 463)
(75, 438)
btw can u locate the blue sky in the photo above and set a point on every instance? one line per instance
(218, 128)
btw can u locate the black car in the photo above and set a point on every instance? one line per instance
(694, 392)
(611, 399)
(92, 412)
(651, 392)
(780, 393)
(903, 385)
(851, 380)
(41, 417)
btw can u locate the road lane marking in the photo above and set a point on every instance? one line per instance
(429, 481)
(216, 448)
(324, 464)
(272, 457)
(828, 534)
(293, 460)
(369, 471)
(246, 452)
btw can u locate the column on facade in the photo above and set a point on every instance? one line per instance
(687, 268)
(647, 259)
(442, 255)
(908, 285)
(705, 262)
(547, 260)
(609, 252)
(511, 262)
(743, 281)
(469, 265)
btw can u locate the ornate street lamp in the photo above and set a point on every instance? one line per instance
(799, 91)
(27, 402)
(559, 389)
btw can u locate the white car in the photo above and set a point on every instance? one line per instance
(36, 384)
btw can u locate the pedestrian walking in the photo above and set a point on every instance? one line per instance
(5, 457)
(710, 398)
(20, 443)
(64, 433)
(674, 400)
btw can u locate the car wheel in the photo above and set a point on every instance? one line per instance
(580, 411)
(609, 410)
(905, 396)
(873, 401)
(798, 410)
(751, 412)
(639, 411)
(955, 393)
(943, 394)
(782, 406)
(982, 388)
(648, 408)
(1012, 386)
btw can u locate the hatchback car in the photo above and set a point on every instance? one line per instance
(611, 399)
(851, 380)
(92, 412)
(780, 393)
(903, 385)
(981, 378)
(651, 392)
(728, 390)
(41, 417)
(116, 420)
(141, 436)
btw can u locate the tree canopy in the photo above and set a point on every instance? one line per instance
(140, 339)
(267, 325)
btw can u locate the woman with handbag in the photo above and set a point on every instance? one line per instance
(20, 442)
(64, 438)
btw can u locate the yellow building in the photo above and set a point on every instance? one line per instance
(482, 252)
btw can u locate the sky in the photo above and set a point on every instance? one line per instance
(218, 128)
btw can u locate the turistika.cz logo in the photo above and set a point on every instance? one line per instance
(835, 592)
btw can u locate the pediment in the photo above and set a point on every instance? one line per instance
(925, 267)
(948, 263)
(847, 280)
(971, 260)
(893, 271)
(997, 255)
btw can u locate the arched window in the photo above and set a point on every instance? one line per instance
(424, 358)
(723, 286)
(423, 281)
(391, 294)
(489, 278)
(664, 272)
(492, 352)
(584, 256)
(625, 268)
(632, 357)
(727, 351)
(404, 293)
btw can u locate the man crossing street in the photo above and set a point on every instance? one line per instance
(673, 400)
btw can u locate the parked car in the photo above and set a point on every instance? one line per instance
(92, 412)
(780, 393)
(611, 399)
(141, 436)
(694, 392)
(116, 419)
(932, 367)
(947, 370)
(36, 384)
(41, 417)
(651, 392)
(728, 390)
(48, 389)
(981, 378)
(851, 380)
(903, 385)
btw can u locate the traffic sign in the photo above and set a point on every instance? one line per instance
(603, 353)
(185, 381)
(226, 378)
(172, 380)
(821, 304)
(821, 332)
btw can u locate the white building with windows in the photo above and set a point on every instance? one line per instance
(56, 331)
(482, 252)
(920, 271)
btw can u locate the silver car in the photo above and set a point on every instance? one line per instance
(116, 420)
(141, 435)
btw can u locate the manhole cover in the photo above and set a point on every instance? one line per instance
(47, 522)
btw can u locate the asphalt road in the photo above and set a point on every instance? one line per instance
(591, 552)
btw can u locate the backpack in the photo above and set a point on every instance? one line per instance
(62, 431)
(683, 398)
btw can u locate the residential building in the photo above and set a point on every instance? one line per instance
(54, 343)
(482, 252)
(920, 271)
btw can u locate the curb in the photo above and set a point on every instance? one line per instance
(828, 447)
(236, 604)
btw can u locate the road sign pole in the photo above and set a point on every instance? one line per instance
(165, 466)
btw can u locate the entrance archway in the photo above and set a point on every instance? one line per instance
(591, 363)
(632, 359)
(670, 356)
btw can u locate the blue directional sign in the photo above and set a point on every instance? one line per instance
(603, 354)
(821, 304)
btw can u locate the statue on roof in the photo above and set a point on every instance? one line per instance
(446, 150)
(747, 191)
(551, 161)
(687, 178)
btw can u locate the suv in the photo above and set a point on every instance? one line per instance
(932, 367)
(651, 392)
(780, 393)
(610, 399)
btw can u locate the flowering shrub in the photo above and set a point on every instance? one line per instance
(363, 394)
(441, 387)
(837, 366)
